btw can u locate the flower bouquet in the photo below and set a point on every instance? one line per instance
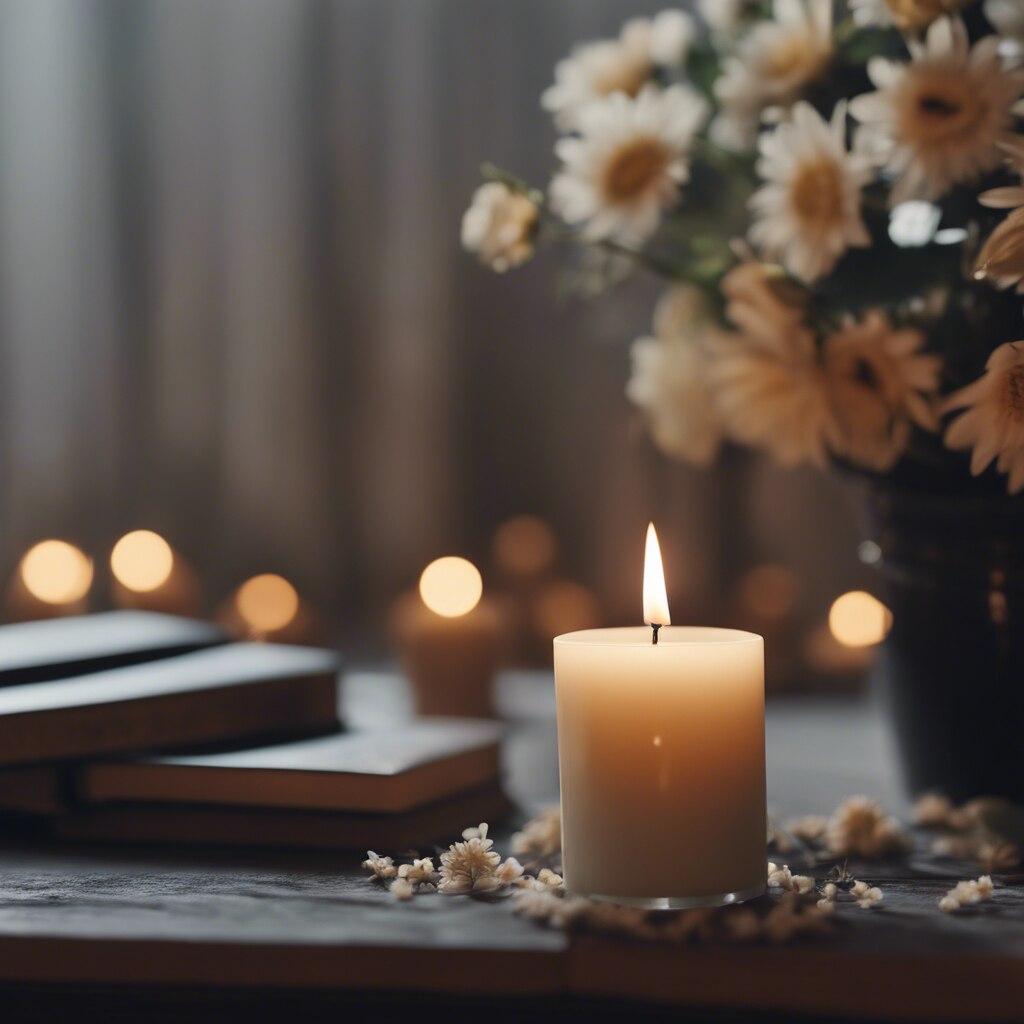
(834, 192)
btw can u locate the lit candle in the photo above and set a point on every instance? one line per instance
(449, 640)
(661, 755)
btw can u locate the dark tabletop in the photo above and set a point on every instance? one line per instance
(160, 934)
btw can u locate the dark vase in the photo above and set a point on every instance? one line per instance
(952, 666)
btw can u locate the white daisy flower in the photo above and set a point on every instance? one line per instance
(938, 120)
(993, 425)
(775, 61)
(808, 212)
(598, 69)
(1002, 256)
(625, 168)
(670, 378)
(769, 385)
(879, 383)
(499, 226)
(906, 15)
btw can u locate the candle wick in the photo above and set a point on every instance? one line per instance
(655, 626)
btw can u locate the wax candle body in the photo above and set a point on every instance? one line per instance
(661, 757)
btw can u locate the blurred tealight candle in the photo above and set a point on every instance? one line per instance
(448, 639)
(147, 573)
(53, 578)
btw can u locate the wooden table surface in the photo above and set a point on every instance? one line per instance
(166, 935)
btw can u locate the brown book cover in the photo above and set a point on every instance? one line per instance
(209, 696)
(180, 824)
(382, 771)
(32, 652)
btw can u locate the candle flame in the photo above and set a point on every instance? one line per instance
(655, 597)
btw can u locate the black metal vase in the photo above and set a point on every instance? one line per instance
(952, 666)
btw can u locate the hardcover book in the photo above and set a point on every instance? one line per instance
(58, 648)
(382, 771)
(208, 696)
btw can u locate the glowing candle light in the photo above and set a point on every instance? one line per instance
(858, 619)
(142, 561)
(266, 603)
(662, 740)
(56, 572)
(448, 639)
(451, 586)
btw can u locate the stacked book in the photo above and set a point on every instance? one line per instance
(139, 727)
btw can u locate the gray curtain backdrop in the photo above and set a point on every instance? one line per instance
(233, 309)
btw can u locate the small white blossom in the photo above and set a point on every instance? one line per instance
(381, 868)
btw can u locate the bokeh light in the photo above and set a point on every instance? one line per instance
(451, 586)
(267, 602)
(857, 619)
(141, 561)
(524, 546)
(56, 572)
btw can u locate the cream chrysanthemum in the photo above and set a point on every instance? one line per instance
(499, 226)
(938, 120)
(1002, 256)
(769, 385)
(670, 378)
(774, 63)
(808, 212)
(906, 15)
(625, 168)
(993, 424)
(595, 70)
(879, 383)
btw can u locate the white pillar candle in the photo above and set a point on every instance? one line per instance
(661, 755)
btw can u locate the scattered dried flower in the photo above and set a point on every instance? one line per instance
(541, 836)
(381, 868)
(470, 866)
(550, 879)
(802, 884)
(419, 871)
(866, 895)
(967, 893)
(859, 827)
(402, 889)
(509, 871)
